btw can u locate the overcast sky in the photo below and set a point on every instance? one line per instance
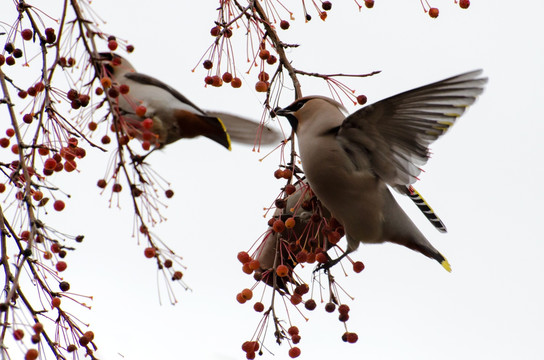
(484, 181)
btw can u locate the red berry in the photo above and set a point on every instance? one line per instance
(4, 142)
(10, 60)
(31, 354)
(17, 53)
(217, 81)
(112, 45)
(361, 99)
(464, 4)
(326, 5)
(264, 54)
(59, 205)
(124, 89)
(358, 266)
(117, 188)
(236, 83)
(284, 24)
(352, 338)
(18, 334)
(293, 330)
(26, 34)
(101, 183)
(55, 302)
(22, 94)
(177, 275)
(258, 307)
(254, 264)
(208, 80)
(141, 110)
(130, 48)
(150, 252)
(207, 64)
(369, 4)
(147, 123)
(294, 352)
(61, 266)
(261, 86)
(227, 77)
(215, 31)
(105, 139)
(169, 193)
(343, 309)
(271, 60)
(330, 307)
(310, 304)
(433, 12)
(2, 60)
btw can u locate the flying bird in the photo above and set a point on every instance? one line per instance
(351, 162)
(173, 115)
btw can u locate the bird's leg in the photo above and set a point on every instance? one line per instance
(330, 263)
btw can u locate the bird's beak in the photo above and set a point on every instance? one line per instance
(293, 121)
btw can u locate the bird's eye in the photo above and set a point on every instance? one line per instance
(297, 106)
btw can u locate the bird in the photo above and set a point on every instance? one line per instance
(173, 115)
(351, 162)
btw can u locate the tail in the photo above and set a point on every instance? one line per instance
(425, 208)
(222, 137)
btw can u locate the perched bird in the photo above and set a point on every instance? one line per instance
(173, 115)
(350, 161)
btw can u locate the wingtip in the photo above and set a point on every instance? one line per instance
(446, 265)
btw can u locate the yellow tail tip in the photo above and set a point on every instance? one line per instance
(446, 265)
(226, 133)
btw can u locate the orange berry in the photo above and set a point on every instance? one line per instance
(433, 12)
(240, 298)
(278, 226)
(287, 173)
(37, 327)
(243, 257)
(290, 223)
(264, 54)
(261, 86)
(282, 270)
(254, 264)
(247, 294)
(278, 174)
(31, 354)
(246, 269)
(106, 82)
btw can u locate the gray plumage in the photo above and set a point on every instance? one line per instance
(350, 161)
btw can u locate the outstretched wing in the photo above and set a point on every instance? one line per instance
(395, 132)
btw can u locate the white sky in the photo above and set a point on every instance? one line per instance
(484, 181)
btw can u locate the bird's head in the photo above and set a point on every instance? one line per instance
(309, 108)
(114, 65)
